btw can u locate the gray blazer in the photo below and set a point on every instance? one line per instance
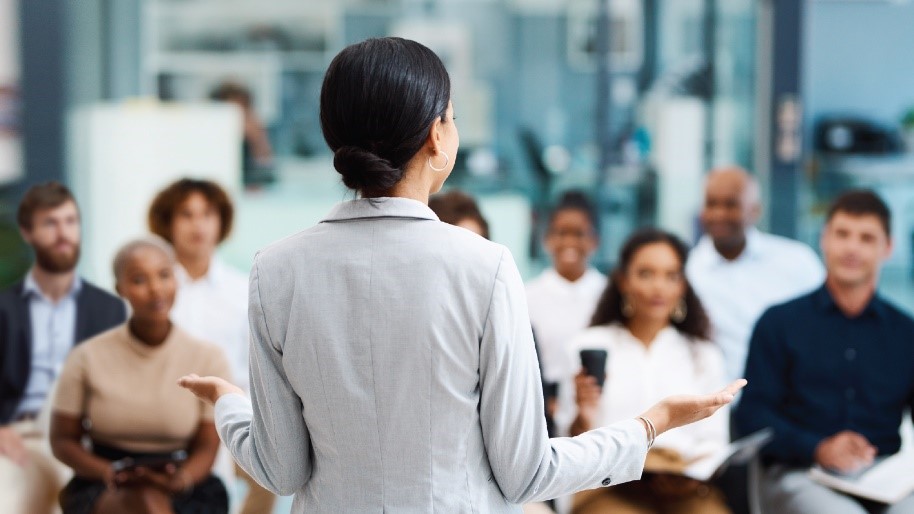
(393, 370)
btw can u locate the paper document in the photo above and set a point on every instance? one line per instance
(888, 481)
(737, 452)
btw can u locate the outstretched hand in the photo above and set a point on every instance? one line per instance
(676, 411)
(208, 389)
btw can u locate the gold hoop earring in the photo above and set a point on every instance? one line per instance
(447, 159)
(628, 310)
(679, 312)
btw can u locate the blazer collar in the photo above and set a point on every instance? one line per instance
(387, 207)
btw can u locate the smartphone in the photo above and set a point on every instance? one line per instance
(594, 363)
(156, 462)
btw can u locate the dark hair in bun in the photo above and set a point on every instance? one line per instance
(378, 101)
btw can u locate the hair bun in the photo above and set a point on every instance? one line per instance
(365, 171)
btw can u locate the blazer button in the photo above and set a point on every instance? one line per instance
(606, 482)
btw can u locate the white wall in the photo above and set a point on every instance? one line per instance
(123, 154)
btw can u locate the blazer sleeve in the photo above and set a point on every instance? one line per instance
(267, 435)
(527, 465)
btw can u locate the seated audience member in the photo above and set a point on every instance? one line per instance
(832, 371)
(561, 300)
(458, 208)
(212, 302)
(120, 389)
(655, 332)
(738, 271)
(41, 318)
(196, 216)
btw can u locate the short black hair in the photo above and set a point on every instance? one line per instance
(575, 200)
(860, 202)
(378, 101)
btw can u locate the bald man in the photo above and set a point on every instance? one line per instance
(738, 271)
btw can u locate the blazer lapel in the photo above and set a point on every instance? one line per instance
(19, 360)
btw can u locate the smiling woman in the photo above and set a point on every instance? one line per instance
(561, 300)
(122, 383)
(656, 333)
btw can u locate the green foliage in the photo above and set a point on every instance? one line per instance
(907, 121)
(14, 253)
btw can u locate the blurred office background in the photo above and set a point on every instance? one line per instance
(631, 100)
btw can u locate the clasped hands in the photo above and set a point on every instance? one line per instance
(845, 452)
(171, 479)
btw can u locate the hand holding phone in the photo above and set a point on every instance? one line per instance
(594, 363)
(156, 463)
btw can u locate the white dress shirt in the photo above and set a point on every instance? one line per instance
(771, 270)
(638, 376)
(559, 310)
(214, 308)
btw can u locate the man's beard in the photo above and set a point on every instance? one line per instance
(56, 262)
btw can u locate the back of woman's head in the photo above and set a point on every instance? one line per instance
(378, 102)
(610, 307)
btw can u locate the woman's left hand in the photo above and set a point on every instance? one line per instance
(208, 389)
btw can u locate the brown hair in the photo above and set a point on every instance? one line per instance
(48, 195)
(232, 91)
(862, 202)
(454, 206)
(166, 203)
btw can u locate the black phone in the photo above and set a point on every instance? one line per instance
(154, 462)
(594, 362)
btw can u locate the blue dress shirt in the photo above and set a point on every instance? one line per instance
(813, 372)
(53, 335)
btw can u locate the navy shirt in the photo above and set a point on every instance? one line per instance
(813, 372)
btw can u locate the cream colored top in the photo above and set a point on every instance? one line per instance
(128, 390)
(638, 376)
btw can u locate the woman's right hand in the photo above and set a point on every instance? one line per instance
(676, 411)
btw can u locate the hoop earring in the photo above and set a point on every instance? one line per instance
(447, 159)
(679, 312)
(628, 310)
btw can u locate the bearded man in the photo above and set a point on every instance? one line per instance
(41, 318)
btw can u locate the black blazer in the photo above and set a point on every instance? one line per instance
(96, 312)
